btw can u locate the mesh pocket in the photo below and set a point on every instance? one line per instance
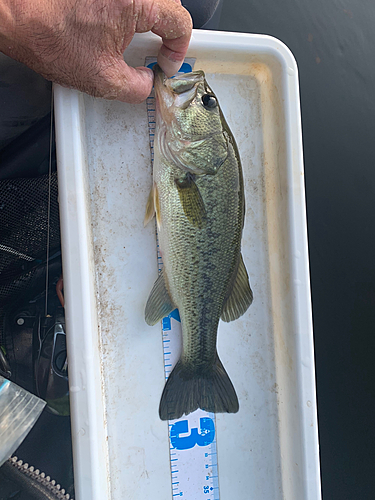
(23, 235)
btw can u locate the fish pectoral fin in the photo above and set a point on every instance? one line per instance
(152, 206)
(240, 297)
(191, 200)
(159, 303)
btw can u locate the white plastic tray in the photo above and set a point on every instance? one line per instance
(269, 449)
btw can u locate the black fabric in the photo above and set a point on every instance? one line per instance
(25, 327)
(28, 154)
(202, 12)
(48, 448)
(25, 98)
(23, 232)
(27, 207)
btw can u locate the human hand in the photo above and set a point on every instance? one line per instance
(80, 44)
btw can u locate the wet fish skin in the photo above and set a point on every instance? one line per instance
(198, 198)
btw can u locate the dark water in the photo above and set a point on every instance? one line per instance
(334, 43)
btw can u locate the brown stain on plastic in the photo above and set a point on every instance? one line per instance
(274, 190)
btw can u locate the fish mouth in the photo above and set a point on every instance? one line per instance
(178, 91)
(171, 94)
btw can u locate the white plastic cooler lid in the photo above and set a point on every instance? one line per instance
(269, 449)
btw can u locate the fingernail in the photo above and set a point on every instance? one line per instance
(147, 71)
(168, 64)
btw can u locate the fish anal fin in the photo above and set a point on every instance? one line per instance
(159, 303)
(191, 200)
(240, 297)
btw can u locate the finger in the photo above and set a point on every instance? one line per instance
(124, 83)
(169, 60)
(173, 24)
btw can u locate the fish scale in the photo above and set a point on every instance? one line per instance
(193, 446)
(207, 275)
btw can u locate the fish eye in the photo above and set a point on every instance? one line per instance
(209, 101)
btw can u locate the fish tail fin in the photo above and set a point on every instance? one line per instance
(188, 389)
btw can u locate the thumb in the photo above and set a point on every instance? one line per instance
(124, 83)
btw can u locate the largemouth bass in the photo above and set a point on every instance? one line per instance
(198, 198)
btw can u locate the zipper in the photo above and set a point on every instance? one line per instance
(34, 482)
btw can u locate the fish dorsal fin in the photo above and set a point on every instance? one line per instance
(240, 297)
(159, 303)
(191, 200)
(152, 206)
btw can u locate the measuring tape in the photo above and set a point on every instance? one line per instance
(192, 438)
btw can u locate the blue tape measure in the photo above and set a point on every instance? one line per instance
(192, 438)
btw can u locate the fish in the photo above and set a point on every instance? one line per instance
(197, 197)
